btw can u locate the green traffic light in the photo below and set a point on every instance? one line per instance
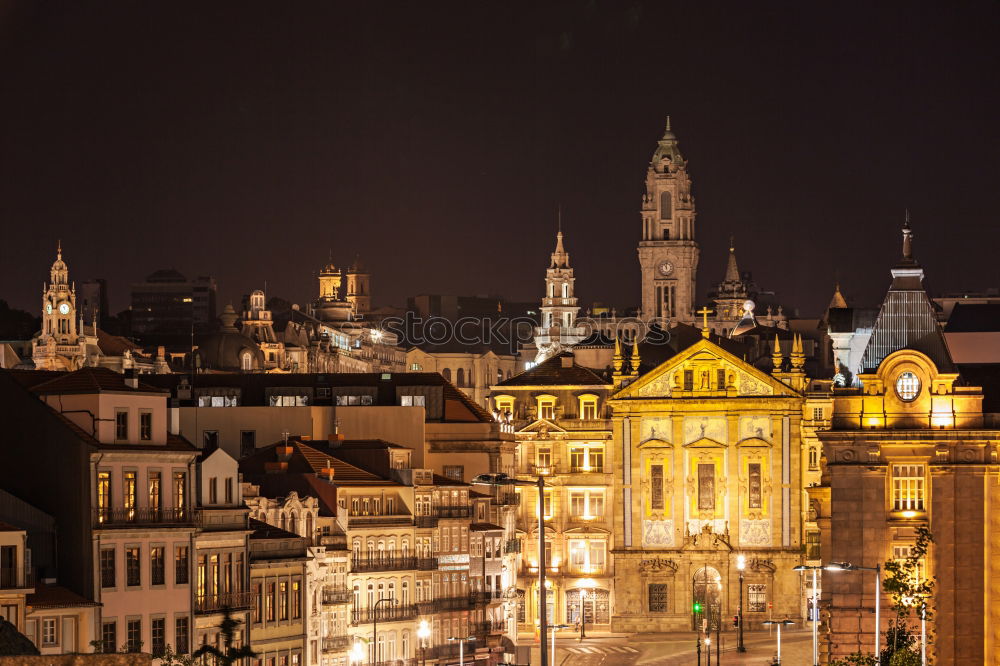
(697, 607)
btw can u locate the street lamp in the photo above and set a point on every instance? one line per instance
(583, 614)
(847, 566)
(357, 654)
(461, 646)
(814, 611)
(708, 650)
(504, 480)
(423, 633)
(554, 628)
(779, 624)
(392, 600)
(741, 564)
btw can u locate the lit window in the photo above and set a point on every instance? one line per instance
(49, 631)
(588, 407)
(907, 386)
(546, 407)
(757, 597)
(504, 404)
(902, 553)
(813, 458)
(412, 400)
(586, 504)
(543, 460)
(908, 487)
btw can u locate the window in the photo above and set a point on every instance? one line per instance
(586, 504)
(107, 567)
(134, 635)
(158, 634)
(121, 425)
(213, 490)
(109, 635)
(415, 367)
(907, 487)
(543, 460)
(547, 509)
(757, 597)
(128, 494)
(49, 631)
(666, 209)
(258, 603)
(812, 545)
(656, 487)
(504, 404)
(103, 495)
(546, 407)
(817, 413)
(133, 567)
(455, 472)
(181, 641)
(248, 442)
(296, 600)
(706, 487)
(753, 486)
(586, 458)
(209, 440)
(907, 386)
(412, 400)
(180, 487)
(904, 552)
(269, 603)
(658, 598)
(181, 565)
(246, 361)
(689, 380)
(157, 573)
(154, 492)
(588, 407)
(229, 490)
(145, 425)
(720, 379)
(283, 600)
(813, 458)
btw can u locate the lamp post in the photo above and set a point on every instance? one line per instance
(461, 646)
(814, 611)
(583, 614)
(778, 623)
(357, 654)
(708, 650)
(423, 633)
(504, 480)
(847, 566)
(392, 600)
(741, 564)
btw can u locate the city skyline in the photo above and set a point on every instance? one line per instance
(359, 136)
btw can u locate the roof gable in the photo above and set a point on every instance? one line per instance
(662, 380)
(553, 372)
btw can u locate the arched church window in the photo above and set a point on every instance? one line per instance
(446, 373)
(666, 207)
(460, 377)
(565, 290)
(246, 361)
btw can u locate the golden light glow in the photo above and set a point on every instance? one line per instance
(909, 514)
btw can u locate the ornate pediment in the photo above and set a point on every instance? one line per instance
(541, 427)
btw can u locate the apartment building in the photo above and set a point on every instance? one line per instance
(278, 582)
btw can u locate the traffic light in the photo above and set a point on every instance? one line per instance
(696, 607)
(736, 621)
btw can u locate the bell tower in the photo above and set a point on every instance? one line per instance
(61, 344)
(668, 252)
(559, 329)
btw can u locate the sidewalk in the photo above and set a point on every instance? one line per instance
(796, 650)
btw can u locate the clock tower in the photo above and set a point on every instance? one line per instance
(59, 345)
(668, 253)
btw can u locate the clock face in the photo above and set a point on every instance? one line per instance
(48, 308)
(665, 268)
(64, 308)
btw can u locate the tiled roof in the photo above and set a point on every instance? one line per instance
(308, 459)
(484, 527)
(305, 485)
(366, 444)
(7, 527)
(55, 596)
(551, 372)
(91, 380)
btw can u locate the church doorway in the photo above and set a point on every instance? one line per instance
(707, 603)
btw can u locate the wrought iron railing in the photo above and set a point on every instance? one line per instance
(142, 516)
(211, 603)
(386, 563)
(385, 613)
(332, 595)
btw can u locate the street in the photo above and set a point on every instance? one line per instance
(677, 649)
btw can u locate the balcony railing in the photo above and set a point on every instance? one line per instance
(427, 564)
(512, 546)
(464, 602)
(333, 596)
(542, 470)
(451, 650)
(143, 516)
(453, 511)
(586, 469)
(369, 521)
(425, 521)
(336, 643)
(211, 603)
(16, 579)
(487, 628)
(387, 563)
(220, 519)
(384, 613)
(506, 499)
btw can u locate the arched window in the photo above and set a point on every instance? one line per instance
(460, 377)
(666, 209)
(446, 373)
(813, 458)
(246, 361)
(309, 528)
(565, 290)
(293, 523)
(284, 521)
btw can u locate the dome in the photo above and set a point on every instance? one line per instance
(229, 350)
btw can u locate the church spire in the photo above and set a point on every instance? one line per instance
(838, 300)
(560, 258)
(907, 240)
(732, 269)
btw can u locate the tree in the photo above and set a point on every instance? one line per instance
(228, 655)
(910, 591)
(13, 642)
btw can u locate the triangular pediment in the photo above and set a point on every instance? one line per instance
(542, 425)
(667, 379)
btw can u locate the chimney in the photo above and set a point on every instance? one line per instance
(131, 378)
(567, 361)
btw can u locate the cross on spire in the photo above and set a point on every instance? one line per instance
(704, 312)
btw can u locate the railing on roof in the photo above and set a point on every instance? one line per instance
(338, 643)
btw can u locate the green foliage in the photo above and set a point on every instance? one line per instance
(228, 655)
(13, 642)
(171, 658)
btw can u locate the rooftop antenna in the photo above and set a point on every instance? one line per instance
(559, 216)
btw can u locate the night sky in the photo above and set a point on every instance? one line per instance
(248, 140)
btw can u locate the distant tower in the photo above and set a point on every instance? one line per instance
(559, 307)
(259, 327)
(668, 253)
(58, 345)
(359, 288)
(328, 306)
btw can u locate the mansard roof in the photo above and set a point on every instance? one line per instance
(553, 372)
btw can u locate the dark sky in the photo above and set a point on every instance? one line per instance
(249, 139)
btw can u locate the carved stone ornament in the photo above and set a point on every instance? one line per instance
(657, 565)
(658, 533)
(750, 386)
(755, 532)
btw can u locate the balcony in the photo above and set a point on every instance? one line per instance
(586, 469)
(387, 563)
(542, 470)
(16, 579)
(384, 613)
(214, 603)
(450, 651)
(453, 511)
(336, 643)
(118, 518)
(465, 602)
(425, 521)
(221, 519)
(427, 564)
(512, 546)
(483, 629)
(333, 596)
(393, 520)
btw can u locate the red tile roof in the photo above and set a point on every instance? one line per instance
(55, 596)
(7, 527)
(92, 380)
(307, 459)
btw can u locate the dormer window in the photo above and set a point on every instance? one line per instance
(588, 407)
(907, 386)
(546, 407)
